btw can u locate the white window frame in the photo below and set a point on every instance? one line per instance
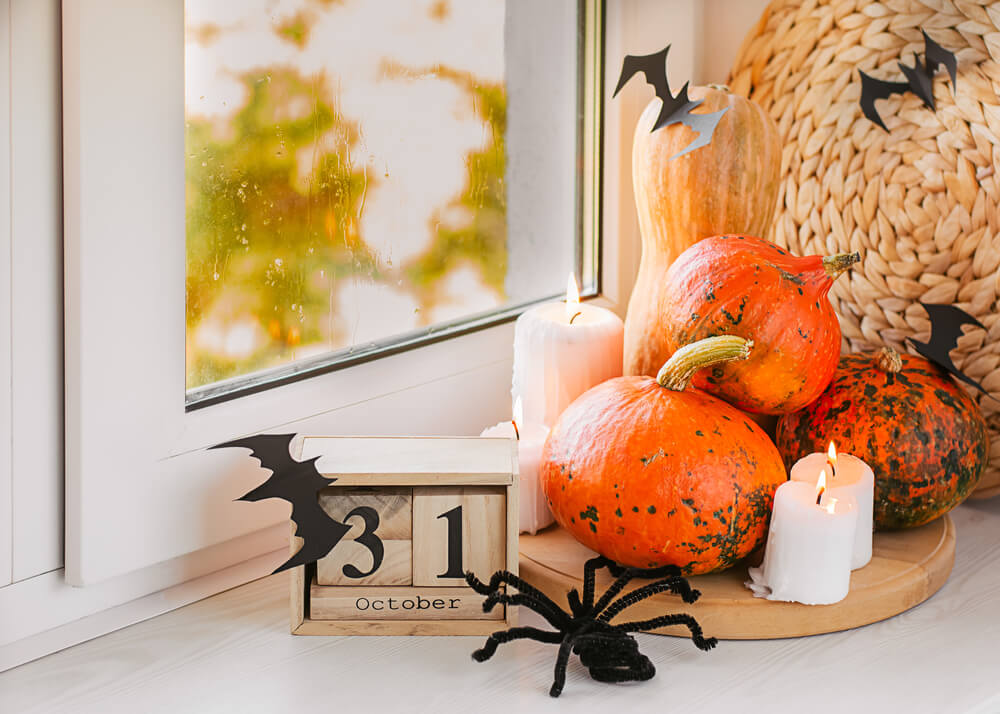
(6, 483)
(136, 465)
(31, 368)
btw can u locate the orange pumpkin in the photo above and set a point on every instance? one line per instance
(746, 286)
(648, 472)
(728, 186)
(923, 435)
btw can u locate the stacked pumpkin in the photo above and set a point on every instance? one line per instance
(664, 466)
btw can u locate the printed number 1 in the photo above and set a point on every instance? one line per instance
(454, 518)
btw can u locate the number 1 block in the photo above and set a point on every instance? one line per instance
(456, 529)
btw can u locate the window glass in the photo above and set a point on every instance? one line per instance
(346, 166)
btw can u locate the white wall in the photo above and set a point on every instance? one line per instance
(724, 24)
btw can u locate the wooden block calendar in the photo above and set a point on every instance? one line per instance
(422, 512)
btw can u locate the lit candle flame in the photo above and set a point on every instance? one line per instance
(572, 298)
(831, 456)
(820, 486)
(518, 416)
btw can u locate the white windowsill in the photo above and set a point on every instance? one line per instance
(232, 652)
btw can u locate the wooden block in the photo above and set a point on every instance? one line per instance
(393, 506)
(381, 603)
(395, 568)
(456, 529)
(484, 526)
(378, 628)
(420, 460)
(377, 550)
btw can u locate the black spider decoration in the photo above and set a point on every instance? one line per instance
(608, 651)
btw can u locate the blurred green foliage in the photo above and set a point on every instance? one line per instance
(274, 200)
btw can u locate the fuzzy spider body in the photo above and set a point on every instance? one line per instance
(608, 651)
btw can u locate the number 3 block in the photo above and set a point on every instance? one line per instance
(377, 549)
(456, 529)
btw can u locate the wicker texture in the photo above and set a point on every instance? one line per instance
(920, 202)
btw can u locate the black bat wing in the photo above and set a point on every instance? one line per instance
(674, 109)
(935, 54)
(299, 483)
(920, 81)
(873, 89)
(270, 449)
(946, 326)
(319, 532)
(653, 66)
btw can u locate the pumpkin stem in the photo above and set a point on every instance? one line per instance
(834, 265)
(676, 374)
(888, 360)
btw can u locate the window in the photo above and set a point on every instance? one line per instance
(136, 462)
(347, 186)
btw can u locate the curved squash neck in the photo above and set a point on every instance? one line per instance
(834, 265)
(821, 273)
(676, 374)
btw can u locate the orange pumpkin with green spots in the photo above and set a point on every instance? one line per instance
(746, 286)
(648, 472)
(923, 436)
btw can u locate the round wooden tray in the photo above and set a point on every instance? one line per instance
(907, 567)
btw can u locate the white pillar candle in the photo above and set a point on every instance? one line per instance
(847, 477)
(534, 511)
(560, 351)
(809, 546)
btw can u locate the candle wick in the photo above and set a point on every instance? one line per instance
(833, 469)
(578, 313)
(819, 496)
(517, 434)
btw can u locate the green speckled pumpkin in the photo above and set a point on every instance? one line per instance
(923, 436)
(648, 472)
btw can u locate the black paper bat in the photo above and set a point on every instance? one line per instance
(299, 483)
(675, 109)
(919, 80)
(946, 328)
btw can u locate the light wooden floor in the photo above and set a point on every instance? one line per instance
(232, 653)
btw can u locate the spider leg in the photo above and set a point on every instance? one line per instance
(590, 569)
(662, 571)
(575, 605)
(616, 587)
(546, 608)
(675, 585)
(514, 633)
(680, 585)
(508, 578)
(562, 660)
(701, 642)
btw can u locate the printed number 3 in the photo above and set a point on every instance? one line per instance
(368, 539)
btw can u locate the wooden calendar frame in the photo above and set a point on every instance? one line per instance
(409, 462)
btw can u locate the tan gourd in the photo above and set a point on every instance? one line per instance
(728, 186)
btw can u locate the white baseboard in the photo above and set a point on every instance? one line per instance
(43, 614)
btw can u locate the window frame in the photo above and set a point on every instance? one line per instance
(135, 460)
(6, 315)
(586, 251)
(31, 367)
